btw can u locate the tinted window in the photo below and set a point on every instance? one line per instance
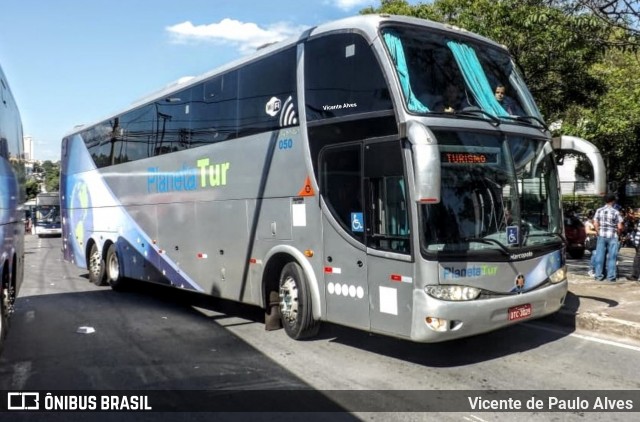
(214, 110)
(172, 123)
(341, 184)
(136, 134)
(266, 94)
(256, 98)
(387, 216)
(100, 139)
(342, 77)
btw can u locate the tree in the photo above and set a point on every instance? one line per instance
(32, 188)
(51, 176)
(622, 16)
(613, 124)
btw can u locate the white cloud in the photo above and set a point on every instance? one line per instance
(350, 4)
(247, 36)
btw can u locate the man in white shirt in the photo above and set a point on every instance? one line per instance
(608, 223)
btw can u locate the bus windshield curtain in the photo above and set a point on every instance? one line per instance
(476, 79)
(397, 54)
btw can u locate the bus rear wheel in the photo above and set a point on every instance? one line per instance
(295, 303)
(96, 267)
(114, 274)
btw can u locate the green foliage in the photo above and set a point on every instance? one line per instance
(52, 176)
(51, 179)
(613, 123)
(32, 188)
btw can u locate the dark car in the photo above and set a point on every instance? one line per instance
(576, 235)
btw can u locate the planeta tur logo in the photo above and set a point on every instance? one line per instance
(206, 174)
(451, 273)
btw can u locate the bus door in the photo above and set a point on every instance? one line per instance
(389, 260)
(345, 258)
(368, 262)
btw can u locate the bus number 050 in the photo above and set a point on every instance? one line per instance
(285, 143)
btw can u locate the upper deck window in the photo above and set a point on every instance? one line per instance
(442, 72)
(343, 77)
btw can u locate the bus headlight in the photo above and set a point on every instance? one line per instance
(452, 292)
(559, 275)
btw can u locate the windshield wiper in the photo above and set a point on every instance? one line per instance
(468, 112)
(528, 235)
(529, 119)
(488, 242)
(472, 111)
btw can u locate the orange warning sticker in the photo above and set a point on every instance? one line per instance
(307, 189)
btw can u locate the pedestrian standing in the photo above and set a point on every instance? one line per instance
(608, 223)
(591, 241)
(635, 271)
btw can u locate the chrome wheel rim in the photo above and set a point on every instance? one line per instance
(94, 263)
(114, 268)
(289, 299)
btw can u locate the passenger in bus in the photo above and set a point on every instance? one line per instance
(508, 217)
(507, 103)
(451, 101)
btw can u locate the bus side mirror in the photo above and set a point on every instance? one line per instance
(426, 163)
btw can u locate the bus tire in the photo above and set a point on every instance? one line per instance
(295, 303)
(96, 267)
(114, 274)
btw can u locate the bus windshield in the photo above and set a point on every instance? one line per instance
(448, 75)
(499, 193)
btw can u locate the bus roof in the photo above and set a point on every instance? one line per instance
(48, 198)
(367, 24)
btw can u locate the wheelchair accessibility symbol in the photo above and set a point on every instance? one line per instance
(512, 235)
(356, 222)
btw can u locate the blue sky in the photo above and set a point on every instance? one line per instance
(73, 62)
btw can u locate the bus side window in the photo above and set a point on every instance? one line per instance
(388, 216)
(341, 184)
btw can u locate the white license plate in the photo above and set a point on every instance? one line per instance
(519, 312)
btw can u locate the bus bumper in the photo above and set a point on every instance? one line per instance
(436, 320)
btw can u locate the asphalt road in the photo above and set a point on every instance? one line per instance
(151, 339)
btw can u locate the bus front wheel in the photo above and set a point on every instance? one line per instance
(114, 274)
(96, 267)
(295, 303)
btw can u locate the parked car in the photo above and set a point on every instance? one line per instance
(576, 235)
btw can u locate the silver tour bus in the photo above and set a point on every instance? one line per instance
(12, 198)
(363, 174)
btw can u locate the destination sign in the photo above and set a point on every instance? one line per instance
(469, 157)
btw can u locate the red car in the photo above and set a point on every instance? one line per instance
(576, 235)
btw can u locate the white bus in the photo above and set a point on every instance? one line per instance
(12, 196)
(333, 177)
(46, 216)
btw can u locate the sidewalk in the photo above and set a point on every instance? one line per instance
(605, 309)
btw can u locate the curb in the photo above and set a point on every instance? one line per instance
(601, 323)
(597, 323)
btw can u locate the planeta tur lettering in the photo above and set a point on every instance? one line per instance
(212, 174)
(206, 174)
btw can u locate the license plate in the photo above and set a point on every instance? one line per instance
(519, 312)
